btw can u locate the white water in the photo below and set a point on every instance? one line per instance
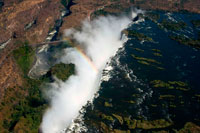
(100, 40)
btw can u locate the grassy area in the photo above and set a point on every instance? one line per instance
(137, 35)
(145, 59)
(187, 41)
(21, 108)
(65, 3)
(148, 61)
(24, 57)
(63, 71)
(139, 50)
(130, 124)
(173, 25)
(153, 16)
(178, 85)
(157, 54)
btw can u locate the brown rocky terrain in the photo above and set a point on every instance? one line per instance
(82, 9)
(32, 20)
(169, 5)
(14, 18)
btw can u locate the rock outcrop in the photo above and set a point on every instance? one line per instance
(19, 21)
(39, 21)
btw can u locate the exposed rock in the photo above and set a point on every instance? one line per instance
(32, 20)
(3, 45)
(23, 15)
(19, 21)
(29, 25)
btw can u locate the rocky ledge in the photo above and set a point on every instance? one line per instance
(36, 21)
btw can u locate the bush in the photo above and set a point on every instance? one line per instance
(24, 57)
(63, 71)
(65, 3)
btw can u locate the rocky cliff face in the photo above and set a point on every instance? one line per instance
(28, 19)
(19, 21)
(33, 20)
(38, 21)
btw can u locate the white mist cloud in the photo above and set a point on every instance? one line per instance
(100, 40)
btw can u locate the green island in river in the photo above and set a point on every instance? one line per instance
(23, 105)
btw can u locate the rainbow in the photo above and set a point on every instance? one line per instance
(82, 54)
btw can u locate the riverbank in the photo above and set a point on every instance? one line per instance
(40, 21)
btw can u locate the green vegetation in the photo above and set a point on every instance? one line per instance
(149, 62)
(105, 127)
(160, 68)
(24, 57)
(63, 71)
(173, 25)
(24, 105)
(146, 60)
(166, 96)
(157, 54)
(143, 62)
(106, 104)
(145, 124)
(121, 131)
(119, 118)
(156, 50)
(138, 49)
(198, 95)
(187, 41)
(137, 35)
(161, 123)
(154, 105)
(189, 127)
(196, 23)
(107, 117)
(132, 102)
(153, 16)
(178, 85)
(100, 12)
(156, 125)
(132, 124)
(115, 6)
(65, 3)
(21, 108)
